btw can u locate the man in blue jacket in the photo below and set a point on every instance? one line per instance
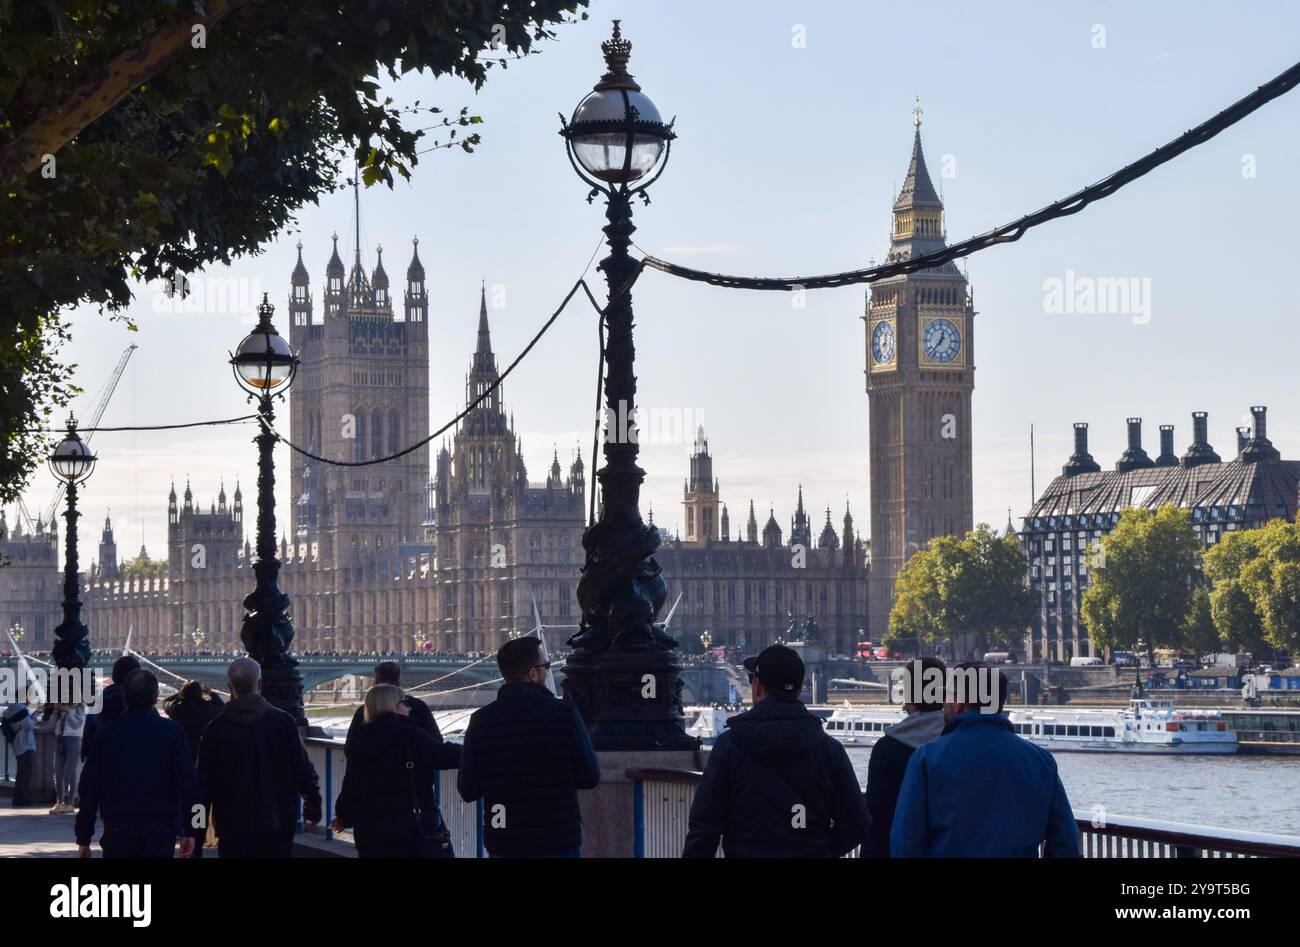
(980, 790)
(139, 776)
(526, 755)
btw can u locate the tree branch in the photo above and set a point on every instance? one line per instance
(96, 96)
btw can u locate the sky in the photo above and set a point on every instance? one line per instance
(795, 127)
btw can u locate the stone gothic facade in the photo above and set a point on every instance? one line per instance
(394, 556)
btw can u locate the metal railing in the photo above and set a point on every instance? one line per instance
(464, 820)
(662, 804)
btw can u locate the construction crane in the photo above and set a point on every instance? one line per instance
(104, 394)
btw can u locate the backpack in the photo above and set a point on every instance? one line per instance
(7, 724)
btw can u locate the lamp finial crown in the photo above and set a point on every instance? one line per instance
(617, 51)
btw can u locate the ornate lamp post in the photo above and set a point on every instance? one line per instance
(197, 636)
(264, 365)
(622, 675)
(72, 462)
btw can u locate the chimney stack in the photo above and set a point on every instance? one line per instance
(1080, 461)
(1260, 414)
(1243, 438)
(1200, 452)
(1167, 456)
(1258, 447)
(1134, 458)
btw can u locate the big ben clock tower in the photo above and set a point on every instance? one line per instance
(920, 374)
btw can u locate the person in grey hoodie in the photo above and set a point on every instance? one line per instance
(924, 723)
(69, 724)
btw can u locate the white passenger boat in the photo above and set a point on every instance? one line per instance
(707, 722)
(861, 726)
(1145, 726)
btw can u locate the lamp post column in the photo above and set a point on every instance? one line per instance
(623, 674)
(267, 633)
(264, 365)
(71, 648)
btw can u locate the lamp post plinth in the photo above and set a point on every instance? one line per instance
(623, 674)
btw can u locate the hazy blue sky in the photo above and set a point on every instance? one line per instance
(785, 165)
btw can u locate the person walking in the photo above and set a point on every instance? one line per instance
(922, 724)
(69, 725)
(980, 790)
(112, 701)
(19, 728)
(253, 770)
(418, 712)
(194, 706)
(139, 777)
(526, 755)
(776, 784)
(387, 794)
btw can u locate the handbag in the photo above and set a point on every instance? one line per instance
(436, 844)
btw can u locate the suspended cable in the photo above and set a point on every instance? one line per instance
(1013, 231)
(159, 667)
(465, 667)
(150, 427)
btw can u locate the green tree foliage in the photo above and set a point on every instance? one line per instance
(1255, 600)
(1232, 605)
(1200, 635)
(1143, 579)
(145, 139)
(917, 618)
(143, 567)
(965, 593)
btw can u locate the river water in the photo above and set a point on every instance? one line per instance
(1255, 793)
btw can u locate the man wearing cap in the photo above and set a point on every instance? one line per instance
(776, 785)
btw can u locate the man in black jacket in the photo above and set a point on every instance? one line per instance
(776, 785)
(526, 755)
(112, 702)
(140, 777)
(253, 768)
(390, 672)
(923, 724)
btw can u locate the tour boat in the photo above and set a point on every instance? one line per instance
(707, 722)
(1146, 726)
(861, 726)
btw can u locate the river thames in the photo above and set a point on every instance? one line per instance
(1256, 793)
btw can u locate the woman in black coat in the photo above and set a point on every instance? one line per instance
(194, 706)
(375, 800)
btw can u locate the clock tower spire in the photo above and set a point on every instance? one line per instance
(920, 375)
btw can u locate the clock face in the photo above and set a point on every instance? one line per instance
(942, 341)
(882, 343)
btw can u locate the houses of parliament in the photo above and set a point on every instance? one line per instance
(451, 552)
